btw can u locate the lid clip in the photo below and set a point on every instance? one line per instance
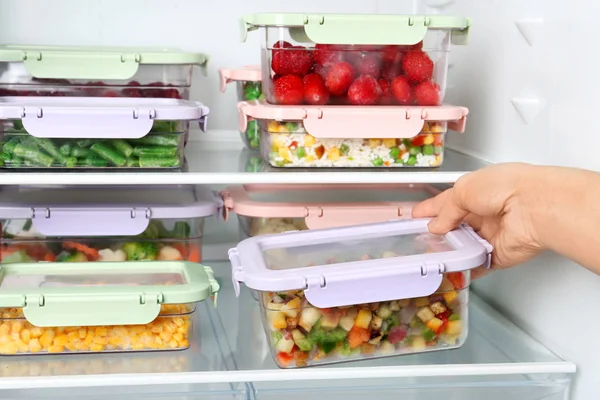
(237, 271)
(214, 284)
(488, 247)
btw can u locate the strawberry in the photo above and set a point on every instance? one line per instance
(294, 60)
(328, 54)
(370, 64)
(364, 91)
(427, 94)
(392, 54)
(321, 70)
(339, 78)
(390, 71)
(402, 90)
(417, 66)
(315, 91)
(288, 90)
(386, 94)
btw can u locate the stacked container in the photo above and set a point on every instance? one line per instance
(130, 255)
(354, 90)
(147, 128)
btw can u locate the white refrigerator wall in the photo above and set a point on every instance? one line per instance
(528, 77)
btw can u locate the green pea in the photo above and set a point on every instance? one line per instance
(378, 162)
(412, 160)
(344, 149)
(428, 150)
(413, 151)
(300, 152)
(438, 149)
(395, 153)
(291, 126)
(407, 142)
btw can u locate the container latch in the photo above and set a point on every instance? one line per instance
(237, 272)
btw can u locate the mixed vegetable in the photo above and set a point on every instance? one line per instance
(287, 144)
(248, 90)
(302, 334)
(167, 332)
(156, 243)
(156, 150)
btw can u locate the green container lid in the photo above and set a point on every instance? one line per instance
(376, 29)
(94, 63)
(102, 293)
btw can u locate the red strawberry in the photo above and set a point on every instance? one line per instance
(282, 44)
(390, 71)
(321, 70)
(156, 84)
(417, 66)
(288, 90)
(386, 94)
(339, 78)
(402, 90)
(110, 93)
(392, 54)
(315, 91)
(370, 64)
(427, 94)
(327, 54)
(292, 61)
(364, 91)
(134, 83)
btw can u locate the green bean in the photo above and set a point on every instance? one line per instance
(16, 162)
(9, 146)
(159, 151)
(85, 142)
(161, 140)
(164, 126)
(93, 161)
(158, 162)
(81, 152)
(33, 155)
(65, 149)
(4, 159)
(71, 162)
(121, 145)
(133, 162)
(50, 148)
(108, 153)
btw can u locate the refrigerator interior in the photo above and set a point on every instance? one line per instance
(527, 77)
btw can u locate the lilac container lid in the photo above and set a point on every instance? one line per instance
(357, 264)
(104, 210)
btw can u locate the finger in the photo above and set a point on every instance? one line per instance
(450, 216)
(430, 207)
(479, 273)
(474, 221)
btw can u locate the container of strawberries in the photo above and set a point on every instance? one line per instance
(354, 59)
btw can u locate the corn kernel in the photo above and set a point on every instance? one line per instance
(178, 321)
(184, 343)
(158, 340)
(82, 333)
(70, 346)
(183, 329)
(16, 327)
(101, 331)
(96, 347)
(426, 128)
(4, 329)
(389, 143)
(47, 338)
(73, 337)
(333, 154)
(437, 128)
(173, 344)
(138, 346)
(309, 140)
(273, 126)
(100, 340)
(34, 345)
(178, 337)
(137, 329)
(278, 140)
(311, 158)
(373, 143)
(428, 139)
(285, 153)
(26, 335)
(170, 328)
(157, 329)
(36, 332)
(89, 338)
(9, 348)
(81, 346)
(56, 349)
(115, 341)
(166, 336)
(61, 340)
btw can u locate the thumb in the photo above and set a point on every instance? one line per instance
(450, 216)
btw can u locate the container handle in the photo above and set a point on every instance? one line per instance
(91, 221)
(81, 65)
(91, 310)
(337, 123)
(332, 217)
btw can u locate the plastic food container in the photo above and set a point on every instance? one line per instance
(355, 293)
(79, 224)
(249, 87)
(34, 70)
(92, 132)
(341, 137)
(356, 59)
(267, 209)
(102, 307)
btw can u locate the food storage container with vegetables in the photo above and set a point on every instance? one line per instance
(249, 87)
(94, 132)
(365, 137)
(265, 209)
(88, 223)
(359, 292)
(355, 59)
(37, 70)
(101, 307)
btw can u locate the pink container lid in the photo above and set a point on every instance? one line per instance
(357, 264)
(248, 73)
(366, 122)
(326, 206)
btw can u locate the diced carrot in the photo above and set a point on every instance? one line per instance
(194, 254)
(284, 359)
(438, 139)
(357, 336)
(50, 257)
(91, 253)
(457, 279)
(181, 249)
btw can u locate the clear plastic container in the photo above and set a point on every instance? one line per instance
(44, 132)
(353, 59)
(355, 293)
(339, 137)
(267, 209)
(33, 70)
(249, 87)
(126, 315)
(103, 224)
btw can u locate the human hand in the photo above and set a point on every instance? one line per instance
(496, 203)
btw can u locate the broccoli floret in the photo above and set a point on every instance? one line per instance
(140, 251)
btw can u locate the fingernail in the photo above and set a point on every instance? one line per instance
(432, 224)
